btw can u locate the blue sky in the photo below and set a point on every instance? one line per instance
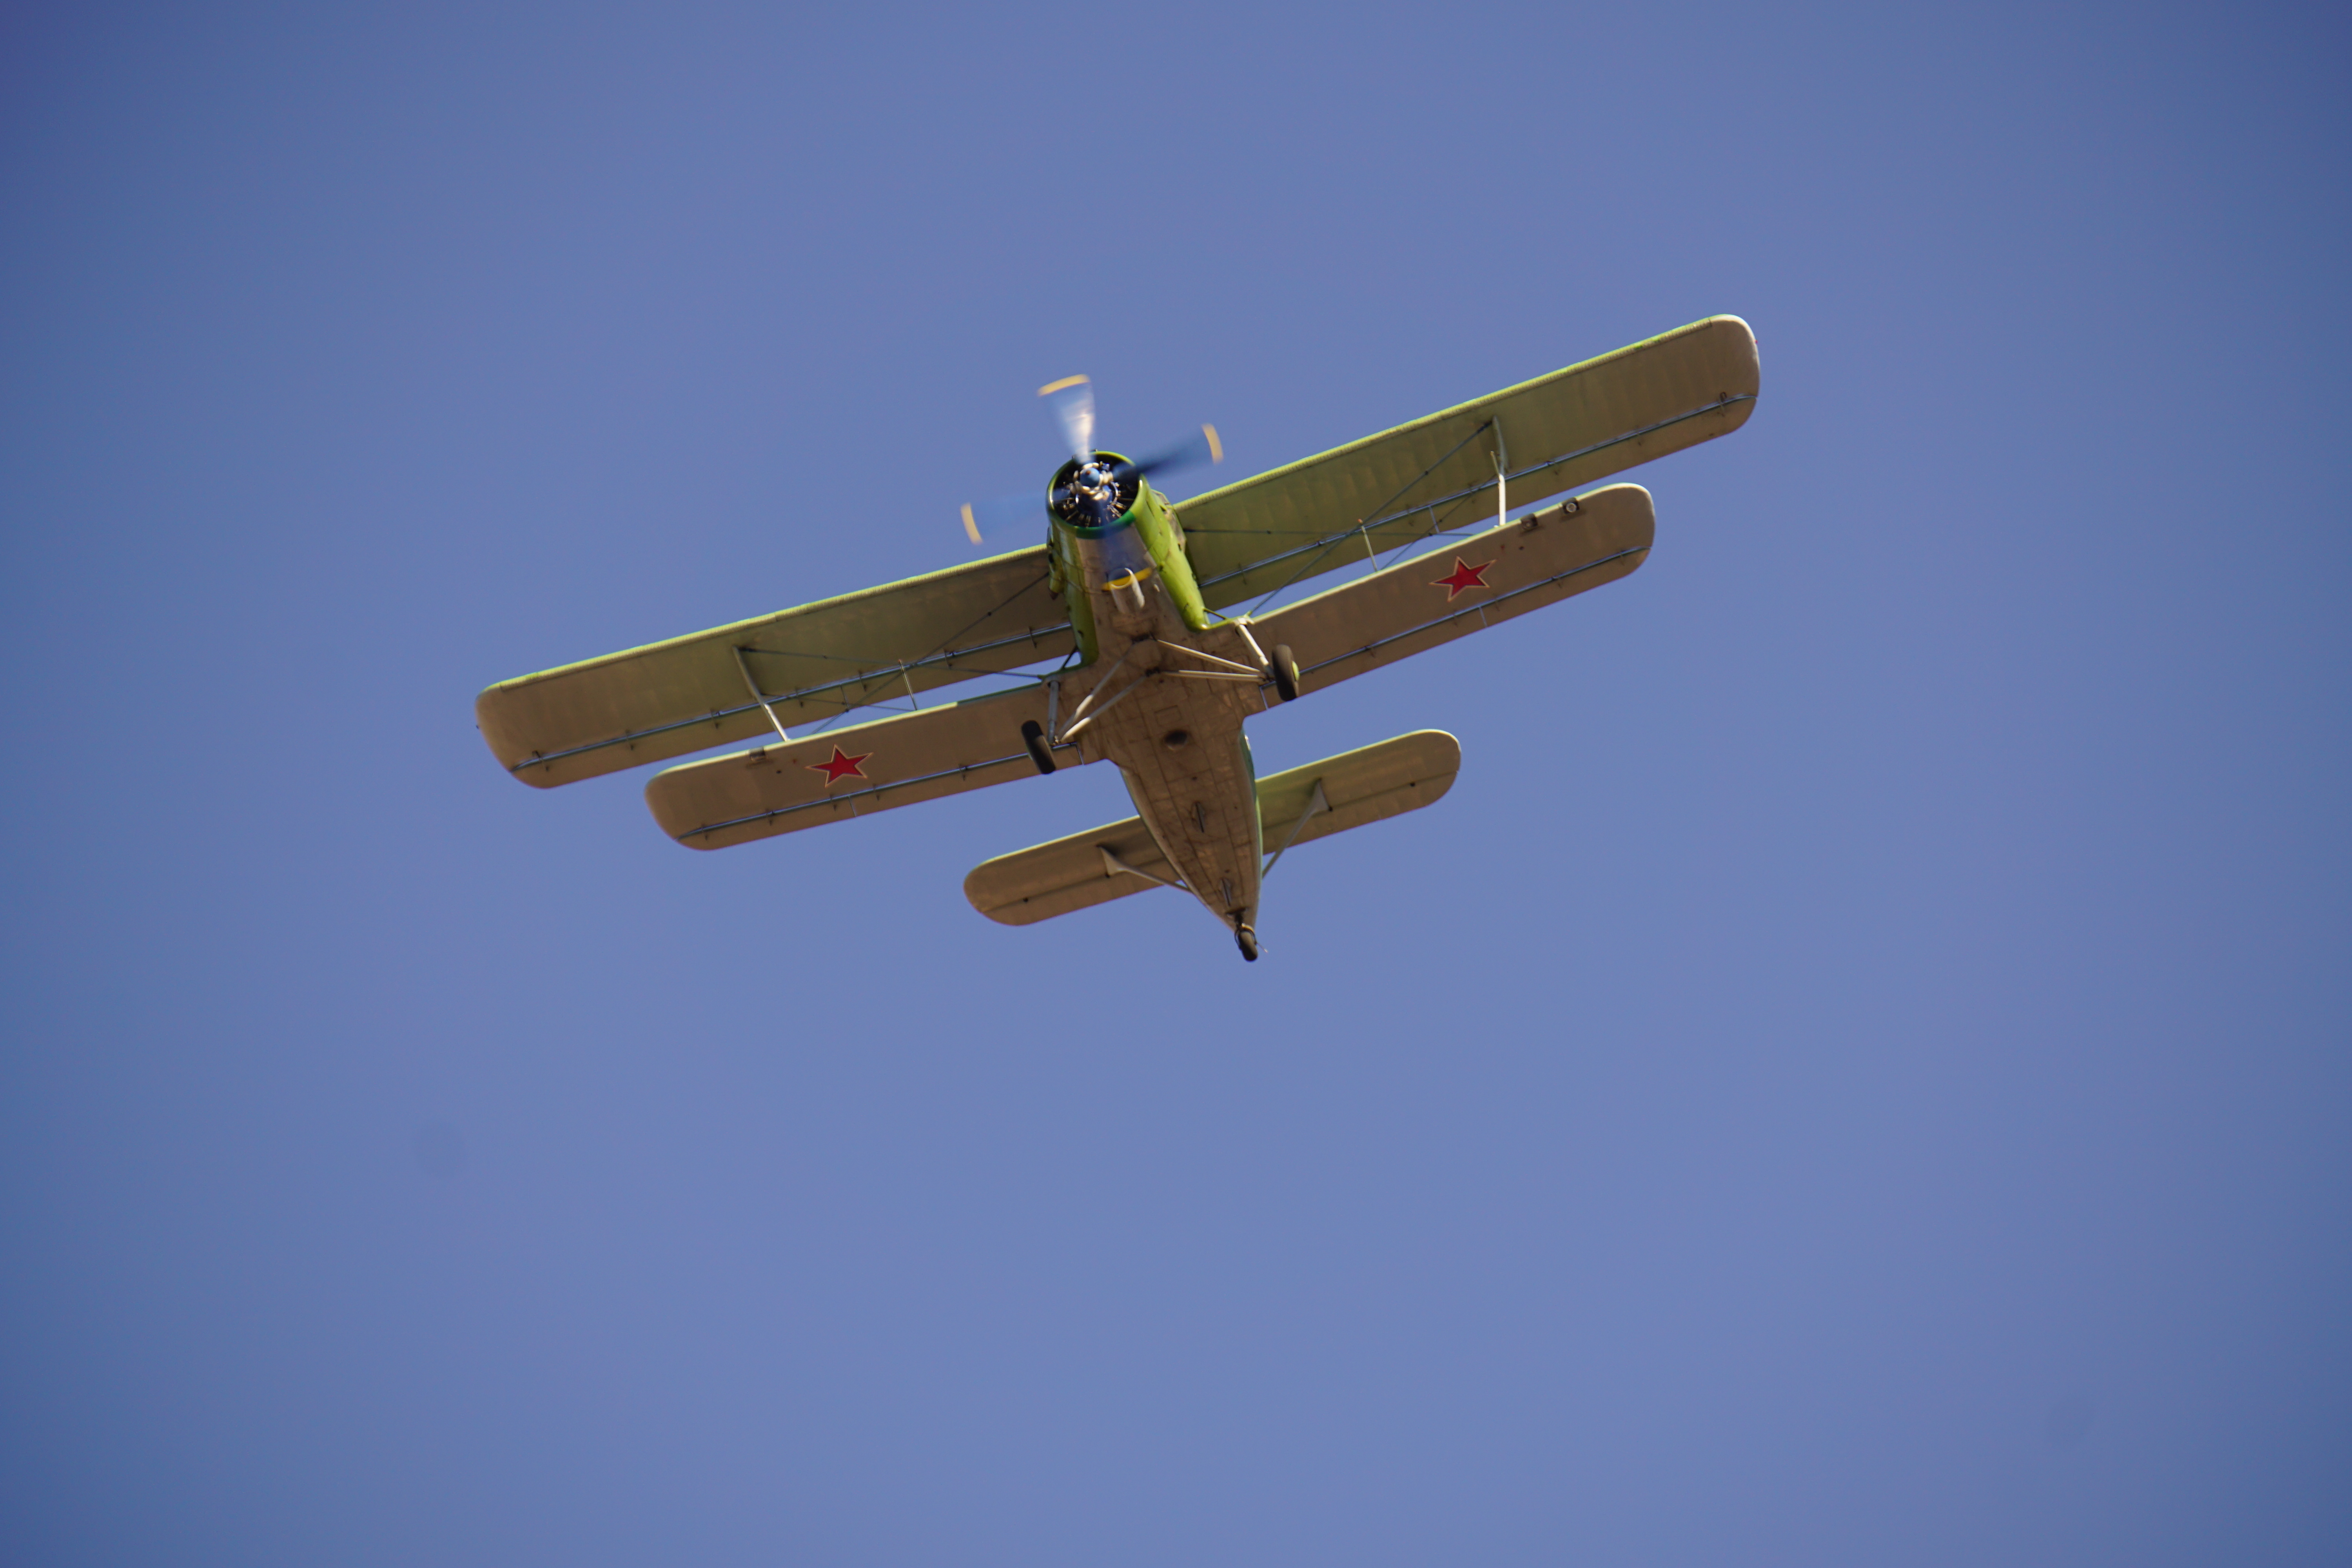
(1856, 1071)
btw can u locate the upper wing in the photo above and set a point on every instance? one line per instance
(865, 768)
(1487, 576)
(1567, 428)
(1552, 434)
(815, 662)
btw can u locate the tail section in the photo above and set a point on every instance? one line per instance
(1112, 861)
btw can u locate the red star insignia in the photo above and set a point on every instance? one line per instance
(839, 767)
(1464, 575)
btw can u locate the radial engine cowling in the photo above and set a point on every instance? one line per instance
(1090, 496)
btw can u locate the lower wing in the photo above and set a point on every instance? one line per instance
(946, 750)
(1478, 580)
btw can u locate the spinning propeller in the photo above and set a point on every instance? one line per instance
(1093, 488)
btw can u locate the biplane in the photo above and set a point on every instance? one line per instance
(1138, 634)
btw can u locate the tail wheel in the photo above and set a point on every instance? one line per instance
(1285, 673)
(1246, 940)
(1032, 735)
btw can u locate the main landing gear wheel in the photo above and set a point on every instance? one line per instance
(1032, 735)
(1285, 673)
(1247, 940)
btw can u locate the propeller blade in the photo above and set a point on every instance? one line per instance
(1024, 513)
(1072, 401)
(1072, 398)
(1203, 448)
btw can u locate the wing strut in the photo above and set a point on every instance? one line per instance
(760, 697)
(1315, 803)
(1113, 866)
(1502, 472)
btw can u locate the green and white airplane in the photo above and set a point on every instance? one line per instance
(1117, 633)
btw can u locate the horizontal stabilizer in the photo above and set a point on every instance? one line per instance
(854, 772)
(1111, 862)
